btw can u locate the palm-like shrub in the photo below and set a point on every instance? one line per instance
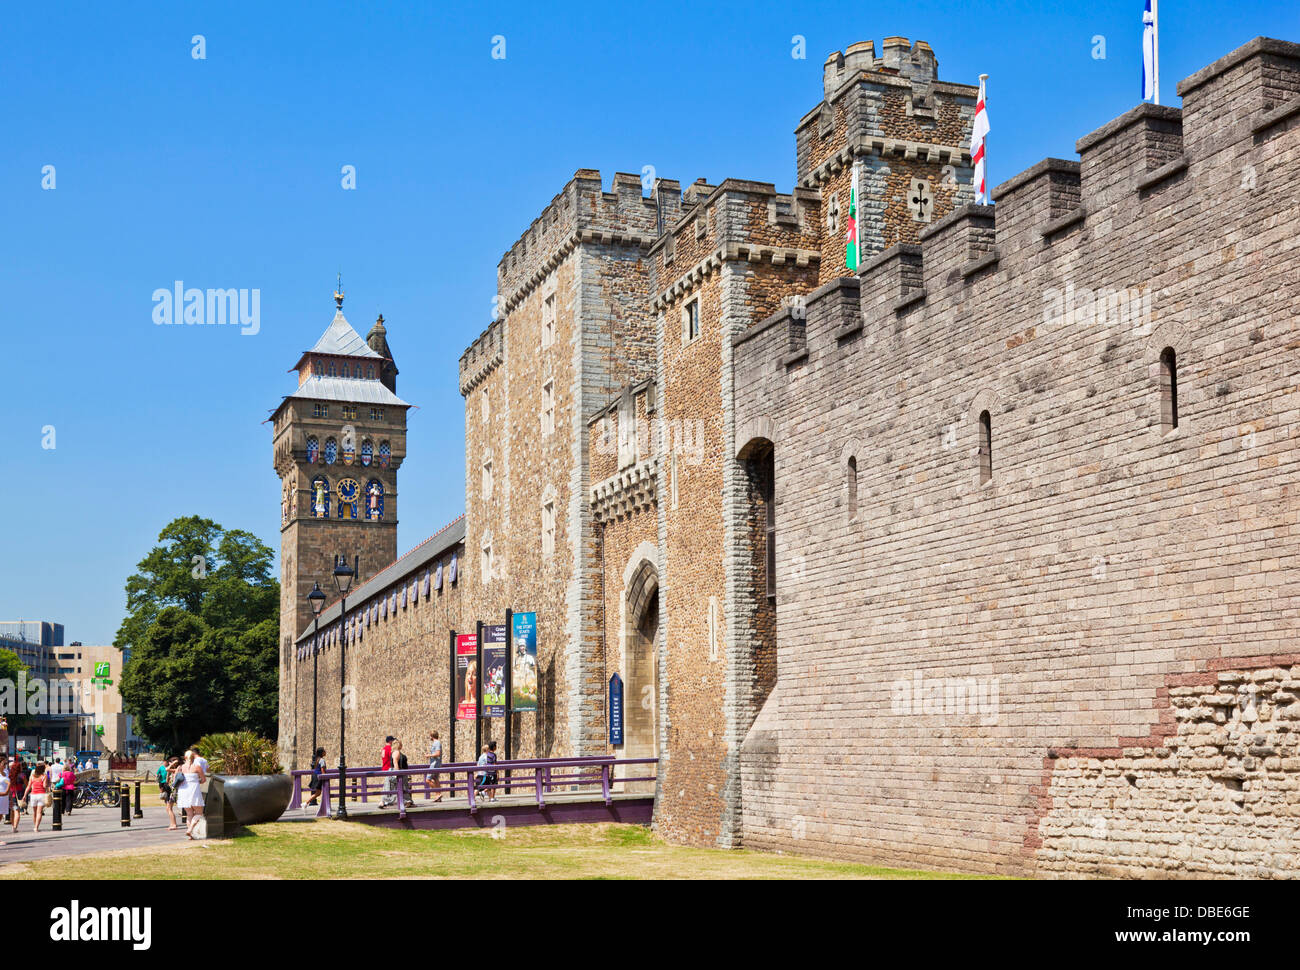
(239, 753)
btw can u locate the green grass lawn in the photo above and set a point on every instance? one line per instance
(340, 850)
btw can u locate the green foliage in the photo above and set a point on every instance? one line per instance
(202, 625)
(11, 666)
(238, 753)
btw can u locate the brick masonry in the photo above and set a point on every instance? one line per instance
(1084, 665)
(969, 671)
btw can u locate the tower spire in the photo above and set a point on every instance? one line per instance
(338, 293)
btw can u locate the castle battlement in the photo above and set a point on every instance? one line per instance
(482, 356)
(584, 213)
(911, 62)
(739, 212)
(1049, 444)
(1135, 174)
(889, 105)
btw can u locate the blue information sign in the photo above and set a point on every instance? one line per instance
(616, 710)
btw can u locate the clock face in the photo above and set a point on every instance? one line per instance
(348, 490)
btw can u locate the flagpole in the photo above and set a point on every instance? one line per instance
(1155, 48)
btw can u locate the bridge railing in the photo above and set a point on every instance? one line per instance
(541, 777)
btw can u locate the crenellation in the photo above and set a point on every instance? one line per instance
(1112, 576)
(1035, 198)
(954, 242)
(1222, 99)
(719, 463)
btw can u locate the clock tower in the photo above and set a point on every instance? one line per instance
(339, 439)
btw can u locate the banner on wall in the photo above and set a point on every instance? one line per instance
(615, 710)
(466, 676)
(494, 671)
(523, 657)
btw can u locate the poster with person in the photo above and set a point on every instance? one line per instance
(523, 656)
(494, 671)
(466, 676)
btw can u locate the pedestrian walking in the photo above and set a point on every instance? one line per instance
(390, 783)
(435, 762)
(17, 786)
(37, 794)
(483, 779)
(4, 787)
(69, 787)
(401, 764)
(317, 776)
(189, 793)
(167, 789)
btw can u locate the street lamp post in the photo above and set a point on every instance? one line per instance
(317, 600)
(343, 576)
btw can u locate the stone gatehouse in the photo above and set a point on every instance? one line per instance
(982, 557)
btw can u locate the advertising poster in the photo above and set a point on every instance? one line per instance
(494, 671)
(466, 676)
(523, 655)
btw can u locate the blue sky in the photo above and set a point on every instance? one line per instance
(225, 172)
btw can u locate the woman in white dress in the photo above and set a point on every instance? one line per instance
(189, 793)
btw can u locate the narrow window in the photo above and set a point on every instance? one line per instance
(672, 482)
(713, 628)
(851, 476)
(548, 529)
(484, 407)
(986, 447)
(1168, 389)
(487, 479)
(331, 368)
(548, 407)
(691, 321)
(487, 560)
(548, 321)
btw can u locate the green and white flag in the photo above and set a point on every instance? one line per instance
(851, 239)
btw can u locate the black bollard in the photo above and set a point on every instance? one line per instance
(58, 810)
(139, 813)
(126, 806)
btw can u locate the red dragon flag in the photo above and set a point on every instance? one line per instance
(978, 133)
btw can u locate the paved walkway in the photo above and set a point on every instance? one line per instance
(86, 830)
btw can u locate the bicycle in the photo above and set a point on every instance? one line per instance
(104, 793)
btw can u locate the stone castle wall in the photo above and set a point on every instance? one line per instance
(942, 641)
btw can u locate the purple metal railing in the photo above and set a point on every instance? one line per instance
(547, 774)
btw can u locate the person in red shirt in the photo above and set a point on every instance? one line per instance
(390, 783)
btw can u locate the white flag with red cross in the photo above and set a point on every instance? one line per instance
(979, 132)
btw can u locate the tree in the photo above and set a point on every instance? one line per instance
(202, 625)
(11, 667)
